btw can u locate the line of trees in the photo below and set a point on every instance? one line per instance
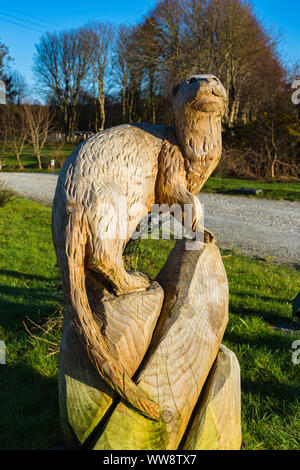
(25, 124)
(100, 75)
(176, 38)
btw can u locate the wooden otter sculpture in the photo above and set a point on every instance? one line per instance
(140, 164)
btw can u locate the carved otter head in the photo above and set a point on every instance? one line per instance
(199, 93)
(199, 104)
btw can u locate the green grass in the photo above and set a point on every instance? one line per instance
(29, 161)
(29, 287)
(260, 298)
(271, 190)
(5, 195)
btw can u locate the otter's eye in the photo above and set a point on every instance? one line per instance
(191, 80)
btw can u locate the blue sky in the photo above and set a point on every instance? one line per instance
(38, 17)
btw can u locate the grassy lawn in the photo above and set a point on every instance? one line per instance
(29, 161)
(280, 190)
(31, 307)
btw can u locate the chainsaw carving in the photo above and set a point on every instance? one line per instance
(138, 164)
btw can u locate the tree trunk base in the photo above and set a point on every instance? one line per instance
(216, 424)
(185, 369)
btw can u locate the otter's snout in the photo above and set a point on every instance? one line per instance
(203, 92)
(205, 85)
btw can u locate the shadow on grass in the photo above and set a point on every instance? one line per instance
(268, 308)
(267, 339)
(264, 298)
(38, 293)
(29, 409)
(270, 317)
(274, 389)
(40, 298)
(19, 275)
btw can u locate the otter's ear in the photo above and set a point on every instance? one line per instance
(175, 90)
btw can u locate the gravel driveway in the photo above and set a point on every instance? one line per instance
(36, 186)
(258, 227)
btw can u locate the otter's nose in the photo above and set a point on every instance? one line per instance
(207, 83)
(205, 78)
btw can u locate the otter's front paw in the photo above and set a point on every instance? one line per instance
(134, 282)
(139, 280)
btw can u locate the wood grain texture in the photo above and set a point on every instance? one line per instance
(184, 347)
(216, 423)
(106, 186)
(84, 397)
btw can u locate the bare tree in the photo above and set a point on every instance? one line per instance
(146, 56)
(3, 127)
(17, 130)
(101, 37)
(61, 64)
(127, 70)
(4, 60)
(121, 65)
(161, 42)
(3, 134)
(39, 121)
(17, 90)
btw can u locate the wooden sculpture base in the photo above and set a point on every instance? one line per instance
(182, 366)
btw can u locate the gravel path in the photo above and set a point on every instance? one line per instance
(258, 227)
(39, 187)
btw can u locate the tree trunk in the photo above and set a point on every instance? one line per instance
(216, 424)
(19, 161)
(124, 103)
(152, 100)
(84, 397)
(273, 166)
(175, 368)
(130, 106)
(4, 143)
(39, 161)
(96, 123)
(66, 125)
(101, 107)
(234, 112)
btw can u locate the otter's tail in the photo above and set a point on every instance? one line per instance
(108, 366)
